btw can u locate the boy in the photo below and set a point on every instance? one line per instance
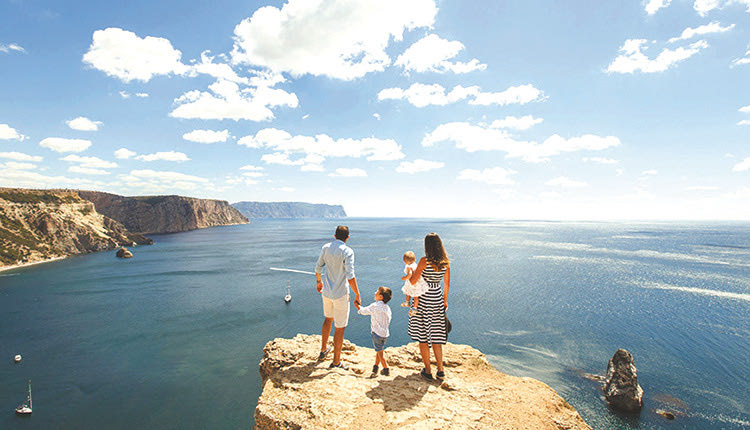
(380, 319)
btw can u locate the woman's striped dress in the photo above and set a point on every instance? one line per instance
(428, 326)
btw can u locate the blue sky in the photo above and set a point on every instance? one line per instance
(524, 109)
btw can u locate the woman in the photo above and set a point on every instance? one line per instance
(428, 326)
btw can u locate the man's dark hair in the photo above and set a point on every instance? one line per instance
(342, 232)
(386, 293)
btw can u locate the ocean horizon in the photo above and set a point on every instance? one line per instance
(181, 326)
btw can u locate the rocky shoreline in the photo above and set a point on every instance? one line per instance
(300, 392)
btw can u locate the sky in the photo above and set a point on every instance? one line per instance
(584, 110)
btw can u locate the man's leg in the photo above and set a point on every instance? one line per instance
(326, 333)
(338, 342)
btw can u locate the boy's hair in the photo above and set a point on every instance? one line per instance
(410, 257)
(386, 293)
(342, 232)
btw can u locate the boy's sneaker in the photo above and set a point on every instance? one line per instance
(413, 311)
(374, 371)
(440, 375)
(386, 371)
(405, 304)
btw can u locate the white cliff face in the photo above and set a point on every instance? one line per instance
(301, 393)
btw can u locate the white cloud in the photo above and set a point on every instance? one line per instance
(376, 116)
(251, 167)
(652, 172)
(600, 160)
(703, 7)
(83, 124)
(631, 59)
(742, 165)
(742, 60)
(24, 178)
(305, 116)
(220, 71)
(522, 123)
(421, 95)
(207, 136)
(418, 166)
(59, 144)
(432, 54)
(161, 181)
(126, 56)
(563, 182)
(654, 5)
(124, 94)
(349, 173)
(475, 138)
(745, 109)
(744, 122)
(11, 47)
(317, 148)
(254, 174)
(712, 27)
(226, 101)
(87, 170)
(124, 153)
(164, 156)
(19, 156)
(343, 39)
(312, 168)
(9, 133)
(701, 188)
(284, 189)
(15, 165)
(492, 176)
(141, 95)
(91, 162)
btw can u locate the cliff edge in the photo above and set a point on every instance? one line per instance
(38, 225)
(301, 393)
(164, 214)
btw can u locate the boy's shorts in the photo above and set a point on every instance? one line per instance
(378, 342)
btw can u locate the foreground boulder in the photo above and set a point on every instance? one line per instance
(301, 393)
(621, 389)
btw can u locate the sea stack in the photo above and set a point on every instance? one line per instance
(124, 253)
(621, 389)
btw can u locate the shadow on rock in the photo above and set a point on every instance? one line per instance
(400, 393)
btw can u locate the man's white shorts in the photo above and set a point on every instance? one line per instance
(338, 309)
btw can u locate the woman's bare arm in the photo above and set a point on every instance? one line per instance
(447, 280)
(418, 272)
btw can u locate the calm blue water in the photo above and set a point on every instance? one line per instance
(172, 338)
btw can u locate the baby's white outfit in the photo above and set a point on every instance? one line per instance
(417, 289)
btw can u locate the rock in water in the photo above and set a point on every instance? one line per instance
(124, 253)
(621, 389)
(300, 392)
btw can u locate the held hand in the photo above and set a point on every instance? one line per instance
(357, 302)
(319, 286)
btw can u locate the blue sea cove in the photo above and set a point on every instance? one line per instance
(172, 337)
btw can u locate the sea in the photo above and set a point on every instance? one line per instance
(172, 338)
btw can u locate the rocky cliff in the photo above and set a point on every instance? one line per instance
(301, 393)
(289, 210)
(37, 225)
(164, 214)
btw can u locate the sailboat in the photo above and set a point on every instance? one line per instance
(288, 297)
(25, 409)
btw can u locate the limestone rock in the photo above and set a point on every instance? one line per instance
(124, 253)
(37, 225)
(621, 389)
(164, 214)
(301, 393)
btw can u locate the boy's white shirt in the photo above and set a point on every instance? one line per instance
(380, 317)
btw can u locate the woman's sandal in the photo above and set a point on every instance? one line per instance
(425, 375)
(440, 375)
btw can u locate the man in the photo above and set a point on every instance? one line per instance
(338, 260)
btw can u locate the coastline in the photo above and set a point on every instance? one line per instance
(33, 263)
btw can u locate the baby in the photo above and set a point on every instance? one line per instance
(380, 319)
(412, 291)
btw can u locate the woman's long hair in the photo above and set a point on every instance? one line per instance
(434, 252)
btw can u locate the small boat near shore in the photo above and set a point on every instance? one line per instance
(288, 297)
(17, 358)
(25, 408)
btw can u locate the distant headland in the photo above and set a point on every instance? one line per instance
(289, 210)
